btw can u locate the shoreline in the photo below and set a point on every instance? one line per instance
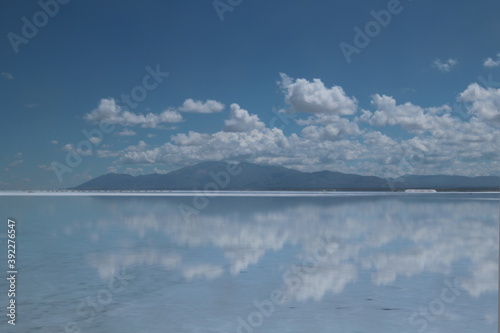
(240, 193)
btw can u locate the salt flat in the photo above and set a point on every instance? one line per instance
(314, 261)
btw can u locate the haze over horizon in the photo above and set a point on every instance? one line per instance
(383, 88)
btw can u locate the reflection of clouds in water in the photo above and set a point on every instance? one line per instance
(143, 223)
(206, 271)
(243, 241)
(484, 278)
(247, 244)
(109, 265)
(436, 240)
(392, 238)
(320, 280)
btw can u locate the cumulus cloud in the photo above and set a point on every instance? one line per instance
(209, 106)
(314, 97)
(445, 66)
(409, 116)
(484, 102)
(450, 146)
(490, 62)
(390, 139)
(334, 130)
(242, 121)
(110, 112)
(196, 147)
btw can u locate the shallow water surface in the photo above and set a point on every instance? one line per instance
(362, 262)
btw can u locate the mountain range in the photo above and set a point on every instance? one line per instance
(248, 176)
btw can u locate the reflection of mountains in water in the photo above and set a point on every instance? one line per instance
(247, 176)
(388, 236)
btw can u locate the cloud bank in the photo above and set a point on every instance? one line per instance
(330, 131)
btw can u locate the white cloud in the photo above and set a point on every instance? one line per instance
(160, 172)
(445, 66)
(390, 140)
(95, 140)
(110, 112)
(408, 116)
(54, 142)
(241, 121)
(104, 153)
(69, 147)
(195, 147)
(7, 76)
(490, 63)
(209, 106)
(334, 130)
(127, 132)
(484, 102)
(313, 97)
(134, 171)
(450, 146)
(140, 146)
(112, 169)
(190, 139)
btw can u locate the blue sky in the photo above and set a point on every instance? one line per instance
(268, 83)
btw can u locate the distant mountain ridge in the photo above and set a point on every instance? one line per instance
(215, 176)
